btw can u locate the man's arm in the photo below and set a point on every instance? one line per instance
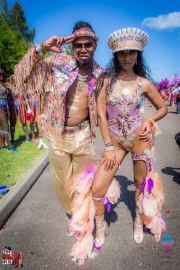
(31, 72)
(34, 73)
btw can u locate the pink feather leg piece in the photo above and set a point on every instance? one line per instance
(82, 222)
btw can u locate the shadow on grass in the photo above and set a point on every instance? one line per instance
(171, 171)
(127, 196)
(21, 139)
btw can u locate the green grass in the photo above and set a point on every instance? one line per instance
(17, 164)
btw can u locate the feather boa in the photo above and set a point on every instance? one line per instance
(150, 204)
(113, 192)
(82, 222)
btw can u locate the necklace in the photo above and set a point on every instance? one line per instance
(126, 86)
(83, 78)
(82, 82)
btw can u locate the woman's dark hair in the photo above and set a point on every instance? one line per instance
(112, 70)
(80, 25)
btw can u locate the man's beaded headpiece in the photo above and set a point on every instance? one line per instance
(85, 34)
(127, 39)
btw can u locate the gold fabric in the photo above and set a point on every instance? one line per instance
(67, 162)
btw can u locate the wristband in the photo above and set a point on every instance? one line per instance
(109, 148)
(43, 48)
(151, 121)
(108, 144)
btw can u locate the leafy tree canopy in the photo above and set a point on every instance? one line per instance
(13, 46)
(16, 19)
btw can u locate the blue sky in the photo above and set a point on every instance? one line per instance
(159, 19)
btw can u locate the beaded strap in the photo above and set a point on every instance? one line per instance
(72, 130)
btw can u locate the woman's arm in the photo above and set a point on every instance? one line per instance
(109, 156)
(151, 93)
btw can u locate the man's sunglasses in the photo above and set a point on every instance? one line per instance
(87, 45)
(2, 73)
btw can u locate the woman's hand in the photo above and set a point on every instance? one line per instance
(54, 43)
(146, 132)
(109, 160)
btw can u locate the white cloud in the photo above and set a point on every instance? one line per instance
(169, 21)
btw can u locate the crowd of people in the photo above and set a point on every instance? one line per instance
(78, 94)
(13, 107)
(170, 91)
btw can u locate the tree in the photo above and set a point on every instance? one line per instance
(4, 13)
(12, 48)
(16, 19)
(69, 50)
(18, 22)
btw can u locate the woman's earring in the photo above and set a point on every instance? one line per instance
(136, 62)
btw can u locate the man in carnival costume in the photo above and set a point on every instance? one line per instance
(68, 84)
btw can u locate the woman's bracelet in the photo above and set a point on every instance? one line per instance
(151, 121)
(108, 144)
(109, 148)
(43, 48)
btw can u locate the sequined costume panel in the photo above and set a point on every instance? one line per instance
(124, 115)
(20, 108)
(3, 98)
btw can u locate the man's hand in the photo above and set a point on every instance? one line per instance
(54, 43)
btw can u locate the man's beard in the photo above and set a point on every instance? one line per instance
(84, 62)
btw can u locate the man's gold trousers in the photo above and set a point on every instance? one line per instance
(74, 158)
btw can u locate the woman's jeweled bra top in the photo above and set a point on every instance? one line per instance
(124, 114)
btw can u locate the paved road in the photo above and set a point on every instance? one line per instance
(37, 227)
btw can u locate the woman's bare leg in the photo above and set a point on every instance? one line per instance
(140, 170)
(104, 178)
(37, 128)
(4, 127)
(2, 142)
(140, 173)
(100, 186)
(12, 122)
(25, 129)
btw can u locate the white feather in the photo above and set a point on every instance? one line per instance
(113, 192)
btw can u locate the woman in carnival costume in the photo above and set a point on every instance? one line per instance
(120, 95)
(34, 103)
(5, 114)
(18, 104)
